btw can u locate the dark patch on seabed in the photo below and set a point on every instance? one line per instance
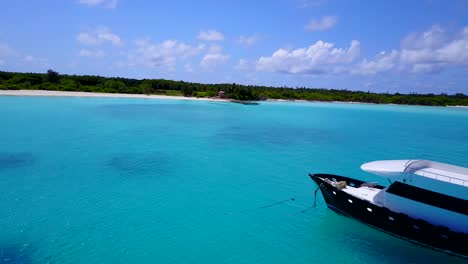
(276, 135)
(15, 255)
(140, 163)
(12, 160)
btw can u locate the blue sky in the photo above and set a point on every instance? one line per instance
(395, 46)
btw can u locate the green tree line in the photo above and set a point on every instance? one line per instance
(52, 80)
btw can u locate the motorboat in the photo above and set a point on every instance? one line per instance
(425, 202)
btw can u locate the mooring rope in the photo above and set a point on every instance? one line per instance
(265, 206)
(277, 203)
(307, 209)
(315, 196)
(314, 205)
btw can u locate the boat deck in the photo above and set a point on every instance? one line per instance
(424, 168)
(365, 193)
(443, 175)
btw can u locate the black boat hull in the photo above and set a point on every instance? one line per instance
(397, 224)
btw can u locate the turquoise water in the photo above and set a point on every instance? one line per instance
(112, 180)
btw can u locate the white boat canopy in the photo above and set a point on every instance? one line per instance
(426, 168)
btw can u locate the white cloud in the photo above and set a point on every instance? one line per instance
(215, 49)
(319, 58)
(99, 36)
(243, 65)
(325, 23)
(430, 39)
(91, 53)
(102, 3)
(433, 50)
(87, 39)
(164, 54)
(248, 40)
(310, 3)
(9, 54)
(213, 58)
(188, 67)
(211, 35)
(248, 68)
(429, 51)
(31, 60)
(7, 51)
(384, 61)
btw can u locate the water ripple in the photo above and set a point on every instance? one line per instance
(133, 164)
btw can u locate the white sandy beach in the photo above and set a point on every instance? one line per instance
(458, 106)
(90, 94)
(121, 95)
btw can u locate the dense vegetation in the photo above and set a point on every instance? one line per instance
(58, 82)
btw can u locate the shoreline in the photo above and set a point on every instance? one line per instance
(171, 97)
(144, 96)
(108, 95)
(458, 106)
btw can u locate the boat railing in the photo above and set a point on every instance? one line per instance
(442, 177)
(408, 163)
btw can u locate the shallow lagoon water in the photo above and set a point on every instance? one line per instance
(115, 180)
